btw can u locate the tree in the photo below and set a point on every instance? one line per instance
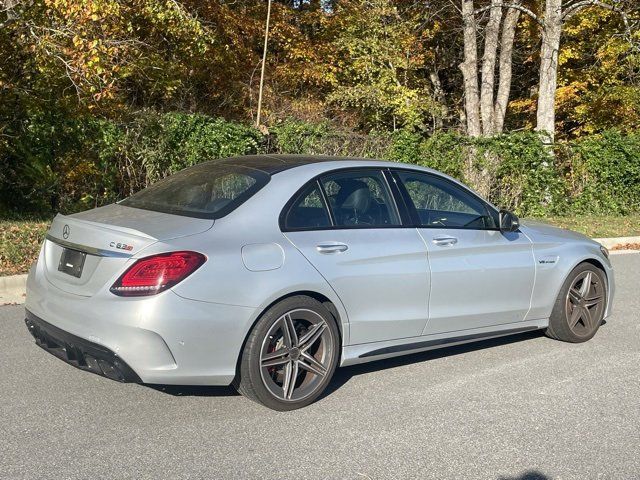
(599, 73)
(486, 105)
(505, 68)
(379, 46)
(469, 70)
(556, 14)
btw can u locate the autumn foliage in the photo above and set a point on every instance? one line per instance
(75, 74)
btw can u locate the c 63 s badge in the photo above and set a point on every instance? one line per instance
(121, 246)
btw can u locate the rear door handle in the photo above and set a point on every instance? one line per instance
(444, 241)
(331, 247)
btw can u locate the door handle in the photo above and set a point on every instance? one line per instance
(331, 247)
(444, 241)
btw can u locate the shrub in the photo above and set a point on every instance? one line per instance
(57, 164)
(526, 178)
(297, 137)
(514, 171)
(74, 165)
(604, 174)
(173, 141)
(445, 152)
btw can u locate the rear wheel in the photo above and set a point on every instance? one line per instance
(290, 355)
(580, 306)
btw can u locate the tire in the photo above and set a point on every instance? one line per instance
(290, 355)
(579, 308)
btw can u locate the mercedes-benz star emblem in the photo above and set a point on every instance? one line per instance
(66, 231)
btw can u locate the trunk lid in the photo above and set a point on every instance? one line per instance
(108, 237)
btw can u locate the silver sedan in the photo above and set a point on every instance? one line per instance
(268, 272)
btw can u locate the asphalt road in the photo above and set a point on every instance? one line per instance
(521, 408)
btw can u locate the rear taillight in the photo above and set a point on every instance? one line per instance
(154, 274)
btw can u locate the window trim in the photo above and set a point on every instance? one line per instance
(404, 212)
(413, 211)
(325, 202)
(392, 195)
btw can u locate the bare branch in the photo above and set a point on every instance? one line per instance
(579, 6)
(516, 6)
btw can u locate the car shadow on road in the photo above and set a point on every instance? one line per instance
(343, 375)
(195, 390)
(528, 475)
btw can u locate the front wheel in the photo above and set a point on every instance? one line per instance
(579, 308)
(290, 355)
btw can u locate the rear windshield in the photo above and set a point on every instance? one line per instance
(207, 190)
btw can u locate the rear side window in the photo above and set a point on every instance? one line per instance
(360, 199)
(307, 211)
(207, 190)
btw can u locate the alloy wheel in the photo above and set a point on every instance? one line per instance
(296, 355)
(585, 303)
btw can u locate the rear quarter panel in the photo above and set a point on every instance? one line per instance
(232, 276)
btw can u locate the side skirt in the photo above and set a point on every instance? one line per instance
(367, 352)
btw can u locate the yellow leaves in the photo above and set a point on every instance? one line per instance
(92, 47)
(567, 54)
(569, 93)
(523, 105)
(596, 61)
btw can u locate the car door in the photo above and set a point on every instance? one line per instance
(480, 276)
(347, 224)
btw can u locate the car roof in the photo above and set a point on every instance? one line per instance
(272, 164)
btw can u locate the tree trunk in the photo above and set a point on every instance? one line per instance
(492, 35)
(469, 70)
(440, 97)
(505, 63)
(549, 69)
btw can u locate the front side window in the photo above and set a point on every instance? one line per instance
(360, 199)
(207, 190)
(440, 203)
(307, 211)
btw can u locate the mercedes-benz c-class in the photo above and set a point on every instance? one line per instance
(268, 272)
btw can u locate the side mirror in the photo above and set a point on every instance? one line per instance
(508, 221)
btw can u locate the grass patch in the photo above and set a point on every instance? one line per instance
(598, 226)
(20, 242)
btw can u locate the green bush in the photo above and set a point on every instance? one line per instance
(77, 164)
(56, 164)
(170, 142)
(34, 161)
(526, 178)
(445, 152)
(297, 137)
(515, 171)
(604, 174)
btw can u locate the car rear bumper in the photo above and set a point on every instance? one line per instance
(79, 352)
(161, 339)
